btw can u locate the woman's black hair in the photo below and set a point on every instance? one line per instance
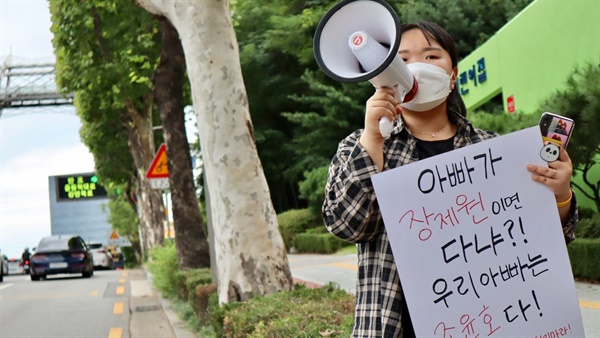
(441, 36)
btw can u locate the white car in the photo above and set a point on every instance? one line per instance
(15, 267)
(102, 257)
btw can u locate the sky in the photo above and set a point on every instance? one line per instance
(34, 142)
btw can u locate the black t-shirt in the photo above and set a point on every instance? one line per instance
(428, 149)
(425, 150)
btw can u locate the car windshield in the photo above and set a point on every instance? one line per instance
(55, 243)
(95, 245)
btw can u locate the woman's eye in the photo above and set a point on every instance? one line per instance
(404, 59)
(431, 57)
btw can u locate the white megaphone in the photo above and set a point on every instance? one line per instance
(358, 40)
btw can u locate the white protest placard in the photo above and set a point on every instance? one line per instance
(479, 245)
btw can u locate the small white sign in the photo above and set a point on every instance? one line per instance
(119, 242)
(479, 245)
(159, 183)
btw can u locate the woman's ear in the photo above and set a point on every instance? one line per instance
(453, 78)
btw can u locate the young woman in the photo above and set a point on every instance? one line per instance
(429, 126)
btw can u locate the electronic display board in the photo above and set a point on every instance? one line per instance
(79, 187)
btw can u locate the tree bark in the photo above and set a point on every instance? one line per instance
(150, 203)
(250, 254)
(190, 238)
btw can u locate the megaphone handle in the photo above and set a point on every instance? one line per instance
(385, 127)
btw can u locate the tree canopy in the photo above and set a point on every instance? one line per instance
(579, 99)
(300, 114)
(96, 43)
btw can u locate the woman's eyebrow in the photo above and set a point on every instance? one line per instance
(426, 49)
(432, 48)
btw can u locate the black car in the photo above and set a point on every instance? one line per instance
(61, 254)
(3, 266)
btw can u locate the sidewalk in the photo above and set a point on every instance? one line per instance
(342, 270)
(151, 314)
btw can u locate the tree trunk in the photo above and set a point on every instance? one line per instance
(190, 238)
(136, 244)
(150, 203)
(250, 254)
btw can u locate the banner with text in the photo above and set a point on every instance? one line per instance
(479, 245)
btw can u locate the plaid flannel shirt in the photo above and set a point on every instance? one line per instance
(351, 212)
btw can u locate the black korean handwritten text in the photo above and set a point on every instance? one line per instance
(505, 203)
(450, 175)
(461, 284)
(511, 313)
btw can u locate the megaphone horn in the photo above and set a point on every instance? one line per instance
(358, 40)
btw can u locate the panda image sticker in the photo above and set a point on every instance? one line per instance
(550, 152)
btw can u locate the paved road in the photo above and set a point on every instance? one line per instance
(321, 269)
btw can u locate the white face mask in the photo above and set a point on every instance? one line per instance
(434, 86)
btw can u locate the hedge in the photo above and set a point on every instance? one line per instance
(584, 254)
(324, 243)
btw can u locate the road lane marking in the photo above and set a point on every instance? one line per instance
(5, 286)
(344, 265)
(94, 293)
(349, 266)
(589, 304)
(120, 290)
(118, 308)
(115, 332)
(124, 274)
(122, 280)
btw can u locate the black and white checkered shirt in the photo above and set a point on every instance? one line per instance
(351, 213)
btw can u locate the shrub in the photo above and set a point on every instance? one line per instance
(503, 123)
(129, 257)
(312, 189)
(163, 267)
(588, 227)
(586, 213)
(296, 221)
(302, 312)
(205, 306)
(325, 243)
(584, 254)
(187, 281)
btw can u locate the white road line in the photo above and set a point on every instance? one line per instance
(4, 286)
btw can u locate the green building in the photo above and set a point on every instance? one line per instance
(532, 56)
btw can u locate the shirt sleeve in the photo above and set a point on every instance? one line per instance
(569, 227)
(350, 208)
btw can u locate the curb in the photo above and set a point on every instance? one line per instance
(308, 284)
(177, 325)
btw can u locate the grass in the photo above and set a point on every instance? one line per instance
(347, 250)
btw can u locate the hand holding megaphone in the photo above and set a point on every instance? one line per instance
(371, 54)
(349, 47)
